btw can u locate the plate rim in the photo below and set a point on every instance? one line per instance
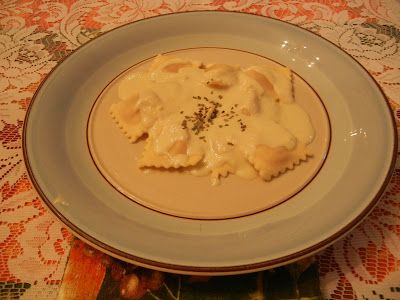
(211, 270)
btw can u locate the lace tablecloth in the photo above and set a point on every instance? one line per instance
(36, 34)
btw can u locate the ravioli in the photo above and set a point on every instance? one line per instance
(214, 119)
(271, 162)
(136, 114)
(167, 146)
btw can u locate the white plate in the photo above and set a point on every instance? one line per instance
(360, 160)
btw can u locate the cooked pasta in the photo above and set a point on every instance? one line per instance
(214, 119)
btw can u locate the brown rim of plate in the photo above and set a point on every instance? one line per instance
(131, 198)
(224, 269)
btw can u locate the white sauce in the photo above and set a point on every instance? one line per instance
(243, 116)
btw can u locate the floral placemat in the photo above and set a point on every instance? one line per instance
(91, 274)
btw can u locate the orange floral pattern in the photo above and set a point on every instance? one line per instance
(36, 34)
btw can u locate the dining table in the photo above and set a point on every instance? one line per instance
(40, 258)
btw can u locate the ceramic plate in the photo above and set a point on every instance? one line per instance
(84, 169)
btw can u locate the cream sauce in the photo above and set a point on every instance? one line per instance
(223, 124)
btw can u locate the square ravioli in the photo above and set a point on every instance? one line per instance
(215, 119)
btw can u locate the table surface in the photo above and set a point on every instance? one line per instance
(40, 259)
